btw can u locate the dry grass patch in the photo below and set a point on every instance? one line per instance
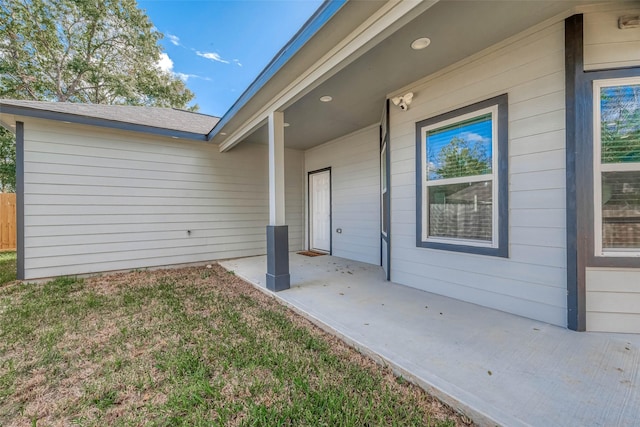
(193, 346)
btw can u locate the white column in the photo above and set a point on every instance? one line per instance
(276, 168)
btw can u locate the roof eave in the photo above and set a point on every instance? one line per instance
(325, 12)
(94, 121)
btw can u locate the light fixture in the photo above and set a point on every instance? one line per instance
(223, 133)
(403, 101)
(286, 125)
(326, 98)
(629, 21)
(174, 137)
(421, 43)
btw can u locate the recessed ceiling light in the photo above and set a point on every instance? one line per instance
(420, 43)
(286, 125)
(326, 98)
(223, 133)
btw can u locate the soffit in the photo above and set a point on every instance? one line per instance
(457, 29)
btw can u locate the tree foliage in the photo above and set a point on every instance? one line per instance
(7, 161)
(461, 157)
(620, 123)
(92, 51)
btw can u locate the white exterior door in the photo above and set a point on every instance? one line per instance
(320, 211)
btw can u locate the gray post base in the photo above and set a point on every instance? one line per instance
(278, 278)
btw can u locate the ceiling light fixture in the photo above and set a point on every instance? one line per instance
(326, 98)
(286, 125)
(223, 133)
(421, 43)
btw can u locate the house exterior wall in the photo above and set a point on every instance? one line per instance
(101, 199)
(532, 281)
(355, 187)
(605, 46)
(612, 294)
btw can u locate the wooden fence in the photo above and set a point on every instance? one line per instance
(7, 221)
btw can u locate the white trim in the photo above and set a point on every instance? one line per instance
(312, 189)
(383, 185)
(599, 168)
(620, 167)
(276, 169)
(459, 180)
(493, 177)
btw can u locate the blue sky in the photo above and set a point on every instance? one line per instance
(219, 47)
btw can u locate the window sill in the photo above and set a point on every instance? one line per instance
(502, 252)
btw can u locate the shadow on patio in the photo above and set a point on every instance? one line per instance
(495, 367)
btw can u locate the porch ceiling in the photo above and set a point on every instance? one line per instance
(457, 29)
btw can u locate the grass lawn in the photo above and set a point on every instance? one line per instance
(7, 266)
(191, 347)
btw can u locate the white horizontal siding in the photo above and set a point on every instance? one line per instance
(532, 281)
(607, 46)
(613, 300)
(294, 197)
(355, 187)
(99, 200)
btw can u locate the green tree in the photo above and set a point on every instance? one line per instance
(7, 161)
(90, 51)
(620, 124)
(461, 157)
(93, 51)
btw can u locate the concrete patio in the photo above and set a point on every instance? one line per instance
(495, 367)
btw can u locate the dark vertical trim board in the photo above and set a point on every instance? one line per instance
(20, 199)
(575, 98)
(278, 277)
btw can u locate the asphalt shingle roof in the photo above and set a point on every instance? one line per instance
(161, 118)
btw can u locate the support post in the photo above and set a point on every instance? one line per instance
(278, 277)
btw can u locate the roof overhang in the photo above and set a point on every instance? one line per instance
(362, 56)
(10, 113)
(338, 40)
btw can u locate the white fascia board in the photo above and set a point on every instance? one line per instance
(330, 63)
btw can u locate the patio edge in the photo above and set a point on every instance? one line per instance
(476, 415)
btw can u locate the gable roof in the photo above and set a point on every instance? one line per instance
(163, 121)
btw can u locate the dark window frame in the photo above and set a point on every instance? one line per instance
(501, 249)
(580, 171)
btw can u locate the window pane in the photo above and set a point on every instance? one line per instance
(462, 211)
(620, 123)
(461, 149)
(621, 210)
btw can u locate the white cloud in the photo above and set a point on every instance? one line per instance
(237, 62)
(184, 77)
(212, 56)
(174, 39)
(165, 63)
(473, 137)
